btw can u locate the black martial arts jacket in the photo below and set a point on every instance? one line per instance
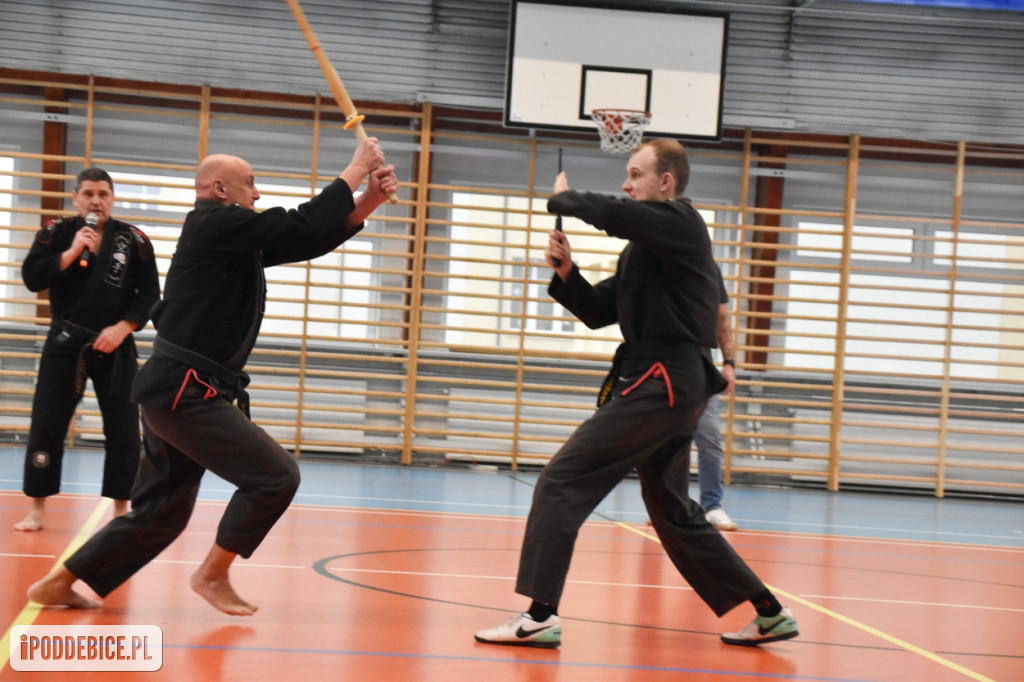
(665, 291)
(120, 283)
(215, 292)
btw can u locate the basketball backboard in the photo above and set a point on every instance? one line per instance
(567, 58)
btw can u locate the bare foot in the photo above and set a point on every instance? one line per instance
(34, 520)
(219, 592)
(120, 508)
(55, 590)
(31, 523)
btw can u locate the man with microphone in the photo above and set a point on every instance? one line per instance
(102, 279)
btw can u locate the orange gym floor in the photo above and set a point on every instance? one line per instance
(383, 573)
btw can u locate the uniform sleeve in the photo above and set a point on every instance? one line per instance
(147, 284)
(316, 227)
(593, 305)
(282, 235)
(660, 225)
(41, 267)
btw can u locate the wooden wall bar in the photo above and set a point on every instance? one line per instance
(876, 285)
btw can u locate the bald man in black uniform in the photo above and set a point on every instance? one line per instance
(207, 325)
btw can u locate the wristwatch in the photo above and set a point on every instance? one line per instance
(731, 363)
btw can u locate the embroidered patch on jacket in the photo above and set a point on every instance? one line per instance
(118, 260)
(45, 235)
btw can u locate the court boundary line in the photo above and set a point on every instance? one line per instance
(31, 610)
(884, 636)
(516, 661)
(602, 516)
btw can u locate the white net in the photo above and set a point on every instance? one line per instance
(621, 129)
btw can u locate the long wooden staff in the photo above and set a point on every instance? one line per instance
(353, 119)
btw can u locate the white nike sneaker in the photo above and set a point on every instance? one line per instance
(763, 630)
(522, 630)
(720, 520)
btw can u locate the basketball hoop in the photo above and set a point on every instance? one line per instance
(621, 129)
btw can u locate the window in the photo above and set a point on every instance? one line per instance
(8, 268)
(825, 240)
(338, 295)
(980, 250)
(539, 313)
(897, 321)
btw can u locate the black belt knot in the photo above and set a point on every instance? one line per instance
(229, 382)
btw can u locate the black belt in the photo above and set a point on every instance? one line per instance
(229, 382)
(655, 350)
(72, 334)
(124, 356)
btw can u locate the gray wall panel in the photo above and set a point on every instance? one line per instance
(830, 66)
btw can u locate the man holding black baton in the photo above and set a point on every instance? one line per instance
(664, 296)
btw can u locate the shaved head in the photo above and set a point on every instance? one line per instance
(226, 179)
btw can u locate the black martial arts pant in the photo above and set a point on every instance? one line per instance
(639, 430)
(180, 446)
(54, 405)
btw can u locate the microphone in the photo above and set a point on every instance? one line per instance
(86, 256)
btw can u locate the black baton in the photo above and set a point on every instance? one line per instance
(558, 216)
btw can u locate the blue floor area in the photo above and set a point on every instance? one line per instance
(503, 492)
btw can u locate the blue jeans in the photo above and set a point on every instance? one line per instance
(708, 438)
